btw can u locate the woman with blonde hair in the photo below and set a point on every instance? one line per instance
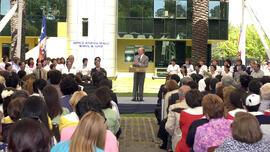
(72, 118)
(88, 137)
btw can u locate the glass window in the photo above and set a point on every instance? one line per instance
(181, 9)
(170, 9)
(85, 27)
(123, 8)
(181, 30)
(55, 11)
(148, 9)
(129, 53)
(132, 50)
(214, 9)
(224, 10)
(214, 29)
(159, 8)
(136, 9)
(5, 49)
(5, 7)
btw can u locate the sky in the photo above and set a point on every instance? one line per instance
(5, 6)
(260, 7)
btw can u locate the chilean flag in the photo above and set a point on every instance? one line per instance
(42, 41)
(242, 43)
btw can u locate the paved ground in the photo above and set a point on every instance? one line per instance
(139, 134)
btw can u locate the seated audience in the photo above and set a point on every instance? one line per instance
(189, 66)
(68, 87)
(89, 135)
(172, 124)
(183, 72)
(86, 104)
(217, 129)
(108, 83)
(226, 99)
(38, 86)
(244, 81)
(98, 68)
(251, 104)
(172, 87)
(29, 135)
(72, 119)
(35, 108)
(14, 112)
(173, 68)
(193, 99)
(257, 72)
(6, 96)
(237, 98)
(55, 110)
(247, 136)
(265, 95)
(227, 71)
(254, 86)
(55, 77)
(111, 114)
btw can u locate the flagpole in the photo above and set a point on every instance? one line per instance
(19, 34)
(242, 45)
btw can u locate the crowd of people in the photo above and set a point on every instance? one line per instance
(215, 108)
(53, 106)
(41, 67)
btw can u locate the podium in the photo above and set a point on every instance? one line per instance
(136, 69)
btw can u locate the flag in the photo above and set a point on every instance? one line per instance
(42, 40)
(242, 43)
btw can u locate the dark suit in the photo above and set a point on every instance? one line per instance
(138, 83)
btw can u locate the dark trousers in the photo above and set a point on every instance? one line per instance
(138, 84)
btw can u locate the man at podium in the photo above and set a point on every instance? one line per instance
(140, 61)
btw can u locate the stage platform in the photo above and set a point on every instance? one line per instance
(126, 106)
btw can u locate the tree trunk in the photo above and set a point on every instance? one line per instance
(199, 30)
(14, 31)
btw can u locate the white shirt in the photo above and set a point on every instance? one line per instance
(60, 67)
(215, 74)
(2, 65)
(227, 74)
(71, 71)
(29, 70)
(85, 70)
(47, 68)
(231, 69)
(203, 69)
(173, 69)
(16, 68)
(190, 69)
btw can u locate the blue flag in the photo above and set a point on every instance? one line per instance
(42, 42)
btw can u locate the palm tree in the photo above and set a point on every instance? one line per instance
(199, 30)
(14, 30)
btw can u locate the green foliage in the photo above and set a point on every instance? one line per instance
(229, 48)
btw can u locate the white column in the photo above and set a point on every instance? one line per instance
(102, 31)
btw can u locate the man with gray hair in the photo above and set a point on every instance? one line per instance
(141, 61)
(71, 59)
(172, 124)
(227, 81)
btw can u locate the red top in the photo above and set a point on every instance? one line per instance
(186, 118)
(267, 113)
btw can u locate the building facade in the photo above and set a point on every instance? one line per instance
(115, 29)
